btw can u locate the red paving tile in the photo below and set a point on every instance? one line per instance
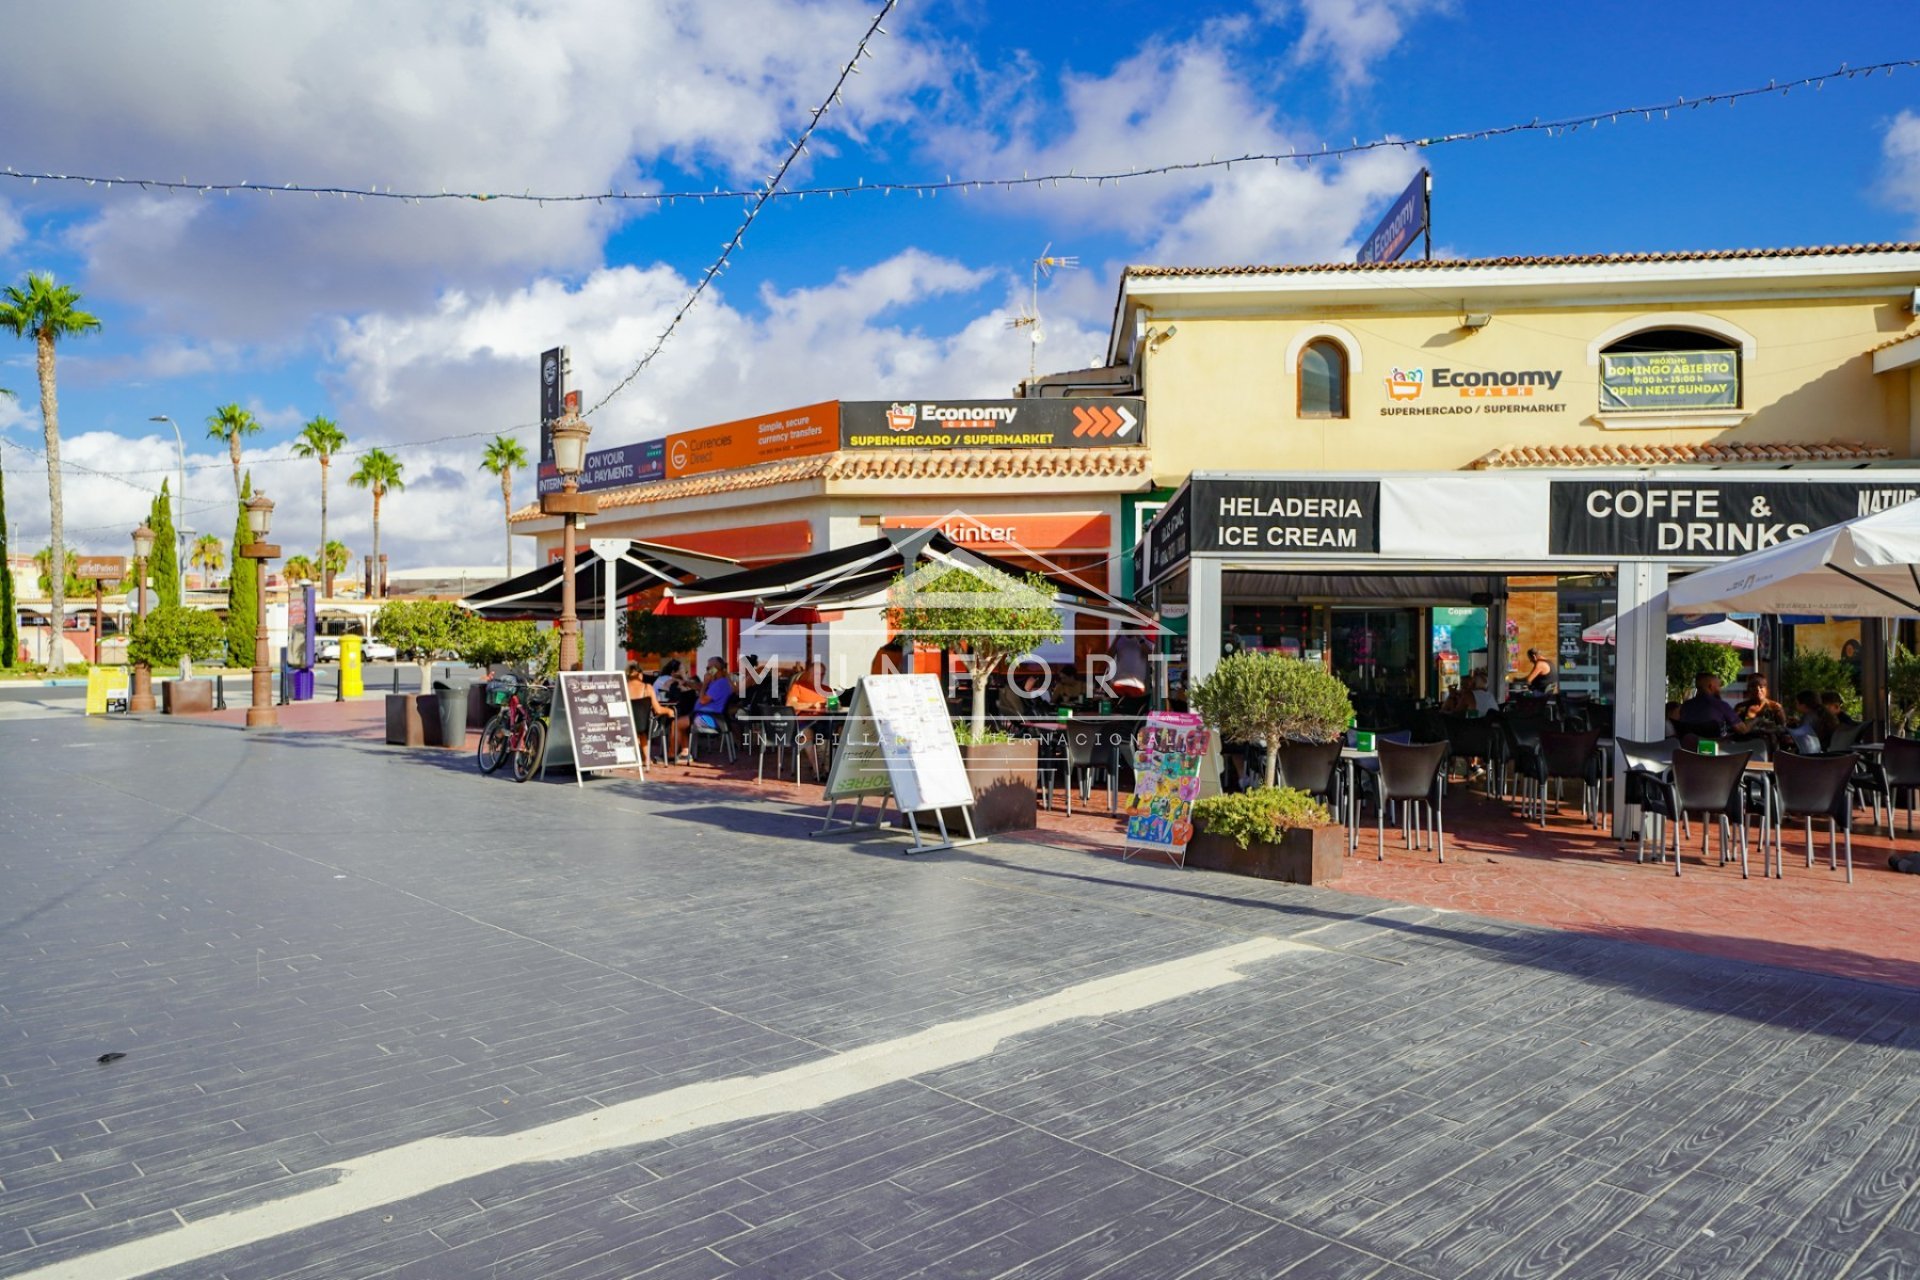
(1567, 877)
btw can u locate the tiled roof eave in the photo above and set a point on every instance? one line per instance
(1444, 265)
(1511, 457)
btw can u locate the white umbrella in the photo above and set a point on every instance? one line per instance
(1865, 568)
(1726, 631)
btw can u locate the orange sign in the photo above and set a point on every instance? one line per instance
(753, 543)
(791, 433)
(100, 568)
(1051, 531)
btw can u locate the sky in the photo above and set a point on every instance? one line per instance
(417, 327)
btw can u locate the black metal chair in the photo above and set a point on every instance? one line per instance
(773, 726)
(1810, 787)
(1643, 765)
(1900, 776)
(1414, 776)
(1315, 768)
(650, 728)
(1474, 738)
(712, 724)
(1845, 736)
(1574, 756)
(1710, 787)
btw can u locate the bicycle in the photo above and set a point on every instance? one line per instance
(517, 732)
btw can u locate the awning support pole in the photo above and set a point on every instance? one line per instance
(1640, 673)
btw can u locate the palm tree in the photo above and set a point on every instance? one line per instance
(322, 438)
(334, 559)
(48, 312)
(229, 422)
(298, 569)
(378, 471)
(502, 456)
(209, 555)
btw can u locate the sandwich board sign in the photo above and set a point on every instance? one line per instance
(592, 725)
(898, 742)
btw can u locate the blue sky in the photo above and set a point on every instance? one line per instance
(411, 324)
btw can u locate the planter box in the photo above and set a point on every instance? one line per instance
(413, 720)
(1308, 855)
(1006, 786)
(186, 697)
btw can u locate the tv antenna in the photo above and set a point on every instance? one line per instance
(1045, 265)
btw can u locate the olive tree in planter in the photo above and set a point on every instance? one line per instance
(167, 635)
(995, 617)
(1263, 696)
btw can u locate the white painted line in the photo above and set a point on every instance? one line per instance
(415, 1168)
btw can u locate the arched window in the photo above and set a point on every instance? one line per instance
(1323, 380)
(1670, 369)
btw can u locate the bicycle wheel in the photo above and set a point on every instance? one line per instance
(493, 744)
(533, 748)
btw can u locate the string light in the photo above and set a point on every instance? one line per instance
(758, 196)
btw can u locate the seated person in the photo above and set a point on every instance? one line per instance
(1466, 699)
(761, 683)
(673, 698)
(1008, 702)
(1673, 714)
(1758, 712)
(1706, 713)
(716, 697)
(1816, 724)
(809, 691)
(1836, 708)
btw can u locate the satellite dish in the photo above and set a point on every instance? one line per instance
(1038, 337)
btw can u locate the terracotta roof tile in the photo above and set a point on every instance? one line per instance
(1554, 260)
(914, 464)
(1895, 340)
(1665, 455)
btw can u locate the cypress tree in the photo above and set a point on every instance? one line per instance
(163, 566)
(242, 616)
(9, 619)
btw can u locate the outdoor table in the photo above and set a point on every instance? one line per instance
(1353, 758)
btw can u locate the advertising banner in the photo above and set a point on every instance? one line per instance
(1075, 423)
(553, 389)
(1323, 517)
(1711, 519)
(1670, 380)
(1167, 755)
(746, 442)
(615, 468)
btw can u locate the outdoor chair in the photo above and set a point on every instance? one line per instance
(1812, 787)
(713, 725)
(1846, 736)
(1525, 771)
(1414, 776)
(650, 729)
(1900, 774)
(1315, 768)
(1642, 764)
(1086, 758)
(774, 726)
(1711, 787)
(1478, 738)
(1574, 756)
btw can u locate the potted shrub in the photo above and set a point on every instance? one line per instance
(996, 618)
(518, 646)
(1263, 697)
(168, 634)
(1275, 833)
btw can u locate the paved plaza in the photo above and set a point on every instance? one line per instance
(384, 1017)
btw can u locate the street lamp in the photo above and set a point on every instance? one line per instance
(570, 434)
(262, 714)
(180, 496)
(140, 697)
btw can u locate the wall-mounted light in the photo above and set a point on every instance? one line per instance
(1157, 336)
(1475, 320)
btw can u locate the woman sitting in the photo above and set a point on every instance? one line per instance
(673, 699)
(809, 691)
(1814, 729)
(710, 712)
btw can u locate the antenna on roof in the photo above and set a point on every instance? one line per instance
(1045, 265)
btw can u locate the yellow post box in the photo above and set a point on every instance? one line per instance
(350, 684)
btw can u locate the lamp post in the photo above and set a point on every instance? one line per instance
(262, 714)
(140, 697)
(180, 495)
(570, 434)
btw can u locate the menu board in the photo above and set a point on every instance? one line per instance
(900, 735)
(1166, 770)
(593, 718)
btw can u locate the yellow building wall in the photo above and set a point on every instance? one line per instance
(1223, 392)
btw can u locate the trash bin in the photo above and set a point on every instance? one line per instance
(453, 713)
(303, 684)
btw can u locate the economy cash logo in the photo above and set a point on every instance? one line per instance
(1405, 384)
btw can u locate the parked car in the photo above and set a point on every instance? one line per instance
(371, 650)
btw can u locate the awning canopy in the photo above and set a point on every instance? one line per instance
(1865, 568)
(634, 567)
(861, 577)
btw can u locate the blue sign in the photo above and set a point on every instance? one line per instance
(1405, 220)
(615, 468)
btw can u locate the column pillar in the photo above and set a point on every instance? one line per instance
(1204, 618)
(1640, 679)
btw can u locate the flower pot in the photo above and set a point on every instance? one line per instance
(413, 720)
(186, 697)
(1304, 855)
(1006, 783)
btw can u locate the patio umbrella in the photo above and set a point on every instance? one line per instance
(1864, 568)
(1714, 631)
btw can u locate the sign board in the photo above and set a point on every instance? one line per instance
(1718, 519)
(1405, 220)
(614, 468)
(1312, 517)
(100, 568)
(106, 690)
(592, 725)
(1670, 380)
(747, 442)
(1070, 423)
(1168, 540)
(899, 741)
(1019, 532)
(1166, 761)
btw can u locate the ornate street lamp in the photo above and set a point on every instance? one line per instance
(570, 434)
(262, 714)
(140, 697)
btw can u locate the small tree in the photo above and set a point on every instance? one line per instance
(173, 632)
(420, 631)
(243, 602)
(1266, 696)
(1903, 688)
(486, 644)
(163, 566)
(645, 632)
(994, 616)
(9, 617)
(1689, 659)
(1817, 673)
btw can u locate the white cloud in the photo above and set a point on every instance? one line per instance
(1354, 34)
(1900, 150)
(12, 230)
